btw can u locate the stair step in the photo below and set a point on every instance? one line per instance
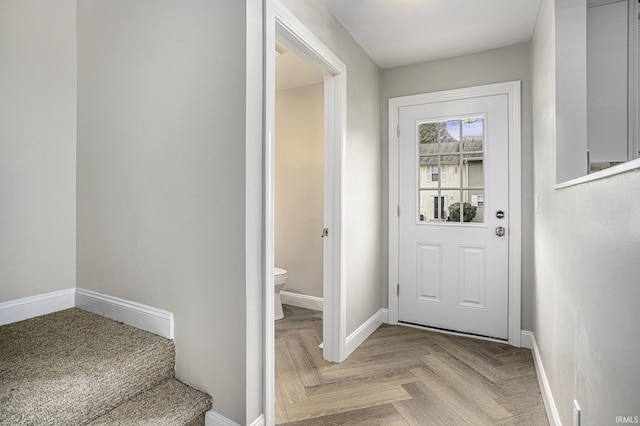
(72, 366)
(170, 403)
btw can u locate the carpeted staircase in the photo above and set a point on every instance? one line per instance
(76, 368)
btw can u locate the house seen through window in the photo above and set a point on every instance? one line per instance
(451, 171)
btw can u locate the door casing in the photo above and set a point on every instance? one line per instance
(512, 90)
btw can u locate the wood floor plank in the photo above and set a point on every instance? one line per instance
(307, 371)
(459, 383)
(360, 384)
(412, 348)
(366, 368)
(296, 319)
(516, 370)
(522, 404)
(372, 356)
(281, 409)
(396, 423)
(343, 403)
(516, 358)
(398, 336)
(426, 408)
(385, 414)
(519, 385)
(538, 418)
(478, 380)
(287, 379)
(459, 403)
(478, 363)
(311, 341)
(479, 348)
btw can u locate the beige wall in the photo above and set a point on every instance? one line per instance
(362, 168)
(492, 66)
(585, 289)
(37, 147)
(161, 175)
(299, 187)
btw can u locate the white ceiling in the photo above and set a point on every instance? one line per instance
(403, 32)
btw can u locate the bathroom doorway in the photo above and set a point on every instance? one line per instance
(284, 30)
(299, 179)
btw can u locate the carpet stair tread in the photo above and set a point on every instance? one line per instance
(170, 403)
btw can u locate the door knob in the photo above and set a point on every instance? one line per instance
(500, 231)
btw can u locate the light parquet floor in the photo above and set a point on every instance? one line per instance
(402, 376)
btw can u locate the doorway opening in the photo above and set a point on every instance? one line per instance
(283, 30)
(299, 175)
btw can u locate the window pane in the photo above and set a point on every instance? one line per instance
(428, 136)
(427, 167)
(430, 206)
(450, 170)
(473, 206)
(473, 134)
(473, 171)
(450, 198)
(450, 138)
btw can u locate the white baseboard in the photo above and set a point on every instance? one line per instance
(356, 338)
(260, 421)
(213, 418)
(138, 315)
(301, 300)
(545, 388)
(34, 306)
(526, 338)
(153, 320)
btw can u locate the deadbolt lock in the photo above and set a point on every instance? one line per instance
(499, 214)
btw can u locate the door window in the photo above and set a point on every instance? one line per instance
(451, 170)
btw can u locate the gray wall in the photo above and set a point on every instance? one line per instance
(585, 289)
(362, 190)
(37, 147)
(492, 66)
(161, 174)
(299, 186)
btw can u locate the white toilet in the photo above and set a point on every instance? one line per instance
(279, 281)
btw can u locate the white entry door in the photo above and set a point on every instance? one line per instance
(453, 215)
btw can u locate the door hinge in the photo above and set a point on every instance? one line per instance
(398, 209)
(398, 130)
(398, 290)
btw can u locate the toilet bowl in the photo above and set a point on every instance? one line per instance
(279, 281)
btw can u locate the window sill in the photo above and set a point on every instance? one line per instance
(611, 171)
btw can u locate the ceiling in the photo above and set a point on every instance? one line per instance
(403, 32)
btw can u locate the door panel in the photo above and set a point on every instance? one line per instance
(453, 178)
(472, 279)
(429, 276)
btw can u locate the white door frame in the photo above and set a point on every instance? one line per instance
(296, 37)
(512, 90)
